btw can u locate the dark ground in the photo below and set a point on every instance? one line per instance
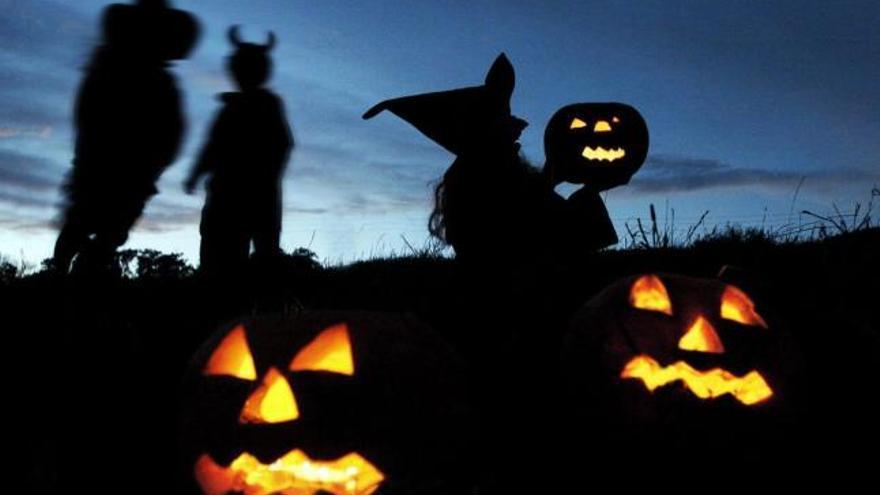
(95, 367)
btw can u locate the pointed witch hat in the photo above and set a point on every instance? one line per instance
(459, 118)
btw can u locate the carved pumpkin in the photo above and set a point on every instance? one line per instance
(601, 144)
(340, 403)
(690, 363)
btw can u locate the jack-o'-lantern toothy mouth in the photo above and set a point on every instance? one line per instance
(602, 154)
(748, 389)
(293, 473)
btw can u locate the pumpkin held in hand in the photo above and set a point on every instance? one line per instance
(340, 403)
(601, 145)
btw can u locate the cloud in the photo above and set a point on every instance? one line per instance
(164, 214)
(29, 225)
(27, 173)
(42, 47)
(29, 188)
(42, 28)
(41, 132)
(17, 200)
(671, 174)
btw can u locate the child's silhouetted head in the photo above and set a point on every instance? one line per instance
(250, 64)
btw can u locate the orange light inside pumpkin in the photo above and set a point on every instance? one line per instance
(701, 337)
(272, 402)
(329, 351)
(292, 474)
(577, 123)
(232, 357)
(749, 389)
(649, 293)
(736, 306)
(602, 126)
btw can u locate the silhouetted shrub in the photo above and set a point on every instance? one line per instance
(8, 272)
(152, 264)
(302, 259)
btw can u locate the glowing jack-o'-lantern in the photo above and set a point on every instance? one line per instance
(648, 293)
(321, 403)
(690, 363)
(601, 144)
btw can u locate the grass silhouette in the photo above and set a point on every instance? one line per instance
(127, 340)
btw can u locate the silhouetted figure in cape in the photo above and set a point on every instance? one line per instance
(245, 157)
(483, 204)
(489, 207)
(129, 128)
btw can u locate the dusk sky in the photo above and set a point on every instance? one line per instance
(743, 99)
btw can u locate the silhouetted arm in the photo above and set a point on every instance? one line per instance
(283, 137)
(168, 112)
(592, 227)
(211, 152)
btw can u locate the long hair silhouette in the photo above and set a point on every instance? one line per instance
(481, 194)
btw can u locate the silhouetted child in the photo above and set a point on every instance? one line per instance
(483, 204)
(488, 207)
(129, 129)
(245, 157)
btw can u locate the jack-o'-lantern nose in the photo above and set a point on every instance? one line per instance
(602, 126)
(272, 402)
(701, 337)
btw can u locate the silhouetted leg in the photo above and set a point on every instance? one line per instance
(224, 246)
(209, 258)
(223, 256)
(98, 254)
(268, 294)
(73, 237)
(267, 246)
(266, 224)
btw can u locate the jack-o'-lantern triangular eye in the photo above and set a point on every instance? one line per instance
(330, 351)
(737, 306)
(649, 293)
(577, 123)
(232, 357)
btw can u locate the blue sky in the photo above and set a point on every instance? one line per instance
(743, 99)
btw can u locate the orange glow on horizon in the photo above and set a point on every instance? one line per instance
(329, 351)
(232, 357)
(292, 474)
(272, 402)
(701, 337)
(737, 306)
(749, 389)
(649, 293)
